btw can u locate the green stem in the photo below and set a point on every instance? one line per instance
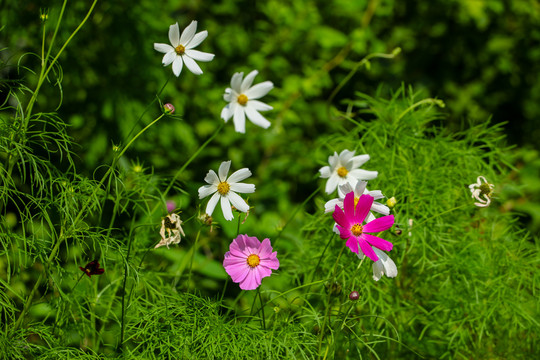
(437, 102)
(194, 247)
(301, 206)
(357, 66)
(439, 214)
(227, 280)
(201, 148)
(44, 74)
(148, 107)
(263, 320)
(126, 270)
(328, 307)
(60, 238)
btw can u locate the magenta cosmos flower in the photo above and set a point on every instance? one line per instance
(248, 261)
(349, 223)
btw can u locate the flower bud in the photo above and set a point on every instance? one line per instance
(391, 202)
(168, 108)
(354, 295)
(171, 205)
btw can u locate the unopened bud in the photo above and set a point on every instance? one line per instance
(391, 202)
(168, 108)
(354, 295)
(171, 205)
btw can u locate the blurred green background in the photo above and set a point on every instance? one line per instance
(481, 57)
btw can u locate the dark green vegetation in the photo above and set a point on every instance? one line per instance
(468, 277)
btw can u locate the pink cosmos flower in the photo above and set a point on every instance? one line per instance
(350, 226)
(248, 261)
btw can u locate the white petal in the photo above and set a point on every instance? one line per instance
(226, 208)
(359, 160)
(199, 55)
(206, 190)
(377, 194)
(239, 175)
(174, 35)
(345, 156)
(370, 217)
(224, 170)
(333, 160)
(360, 188)
(163, 48)
(248, 80)
(341, 181)
(330, 205)
(388, 266)
(168, 58)
(380, 208)
(226, 113)
(188, 33)
(197, 39)
(239, 119)
(325, 172)
(236, 80)
(332, 183)
(256, 118)
(347, 188)
(259, 106)
(238, 202)
(211, 178)
(192, 65)
(243, 188)
(361, 174)
(227, 96)
(259, 90)
(212, 203)
(177, 66)
(378, 270)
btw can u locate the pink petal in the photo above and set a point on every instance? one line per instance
(362, 208)
(339, 217)
(252, 280)
(348, 206)
(265, 250)
(238, 273)
(344, 232)
(378, 242)
(367, 250)
(272, 262)
(253, 244)
(264, 271)
(352, 243)
(379, 224)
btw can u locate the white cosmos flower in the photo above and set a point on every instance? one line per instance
(360, 189)
(242, 98)
(343, 169)
(226, 189)
(170, 230)
(181, 52)
(481, 192)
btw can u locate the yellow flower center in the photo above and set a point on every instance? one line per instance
(356, 199)
(253, 260)
(180, 49)
(242, 99)
(223, 188)
(485, 189)
(356, 229)
(342, 171)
